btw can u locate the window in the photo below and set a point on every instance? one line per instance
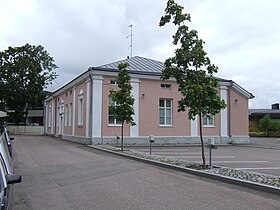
(113, 82)
(70, 114)
(57, 116)
(49, 117)
(165, 86)
(165, 111)
(80, 109)
(111, 119)
(208, 121)
(66, 115)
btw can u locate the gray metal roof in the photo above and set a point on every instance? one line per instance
(263, 111)
(137, 64)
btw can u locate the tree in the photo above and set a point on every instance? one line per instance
(24, 72)
(192, 70)
(122, 101)
(266, 124)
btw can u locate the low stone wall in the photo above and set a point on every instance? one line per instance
(77, 139)
(25, 130)
(171, 140)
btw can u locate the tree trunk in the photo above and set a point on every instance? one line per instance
(122, 137)
(201, 140)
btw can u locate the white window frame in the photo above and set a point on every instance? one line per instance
(166, 86)
(66, 120)
(81, 109)
(165, 108)
(113, 82)
(49, 117)
(70, 114)
(115, 123)
(210, 121)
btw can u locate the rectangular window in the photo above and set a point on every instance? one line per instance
(80, 109)
(70, 114)
(49, 117)
(208, 121)
(166, 86)
(113, 82)
(165, 112)
(57, 121)
(66, 115)
(111, 119)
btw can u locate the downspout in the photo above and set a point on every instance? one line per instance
(90, 111)
(55, 115)
(229, 109)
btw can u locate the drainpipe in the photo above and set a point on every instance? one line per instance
(90, 111)
(55, 115)
(229, 109)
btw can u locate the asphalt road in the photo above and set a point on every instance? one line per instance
(61, 175)
(262, 155)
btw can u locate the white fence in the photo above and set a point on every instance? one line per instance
(25, 130)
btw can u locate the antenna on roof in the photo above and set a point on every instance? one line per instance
(130, 39)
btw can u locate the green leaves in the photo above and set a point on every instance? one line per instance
(192, 69)
(24, 72)
(122, 101)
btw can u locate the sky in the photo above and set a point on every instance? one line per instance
(241, 37)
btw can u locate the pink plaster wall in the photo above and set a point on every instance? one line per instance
(81, 130)
(239, 121)
(149, 110)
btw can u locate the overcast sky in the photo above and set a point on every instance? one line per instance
(242, 36)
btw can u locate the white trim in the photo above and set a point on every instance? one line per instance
(97, 91)
(224, 112)
(53, 116)
(73, 111)
(87, 108)
(134, 130)
(81, 103)
(194, 127)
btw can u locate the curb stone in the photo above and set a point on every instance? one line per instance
(227, 179)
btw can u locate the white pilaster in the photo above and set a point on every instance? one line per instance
(74, 111)
(224, 112)
(97, 91)
(47, 116)
(134, 130)
(87, 107)
(53, 116)
(194, 127)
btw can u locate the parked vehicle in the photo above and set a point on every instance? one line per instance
(4, 131)
(7, 177)
(6, 188)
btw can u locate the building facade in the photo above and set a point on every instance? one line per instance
(79, 110)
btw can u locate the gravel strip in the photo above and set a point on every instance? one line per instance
(260, 178)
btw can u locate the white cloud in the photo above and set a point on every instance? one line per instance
(241, 36)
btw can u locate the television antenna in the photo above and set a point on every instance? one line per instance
(130, 39)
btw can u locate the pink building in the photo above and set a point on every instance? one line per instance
(79, 111)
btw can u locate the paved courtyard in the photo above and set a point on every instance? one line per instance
(262, 155)
(61, 175)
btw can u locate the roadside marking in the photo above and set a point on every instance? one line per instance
(268, 168)
(241, 161)
(194, 157)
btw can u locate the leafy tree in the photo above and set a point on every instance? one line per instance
(24, 72)
(122, 101)
(266, 124)
(192, 70)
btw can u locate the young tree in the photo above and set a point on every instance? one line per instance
(267, 124)
(192, 70)
(122, 101)
(24, 73)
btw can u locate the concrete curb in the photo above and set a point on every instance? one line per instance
(231, 180)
